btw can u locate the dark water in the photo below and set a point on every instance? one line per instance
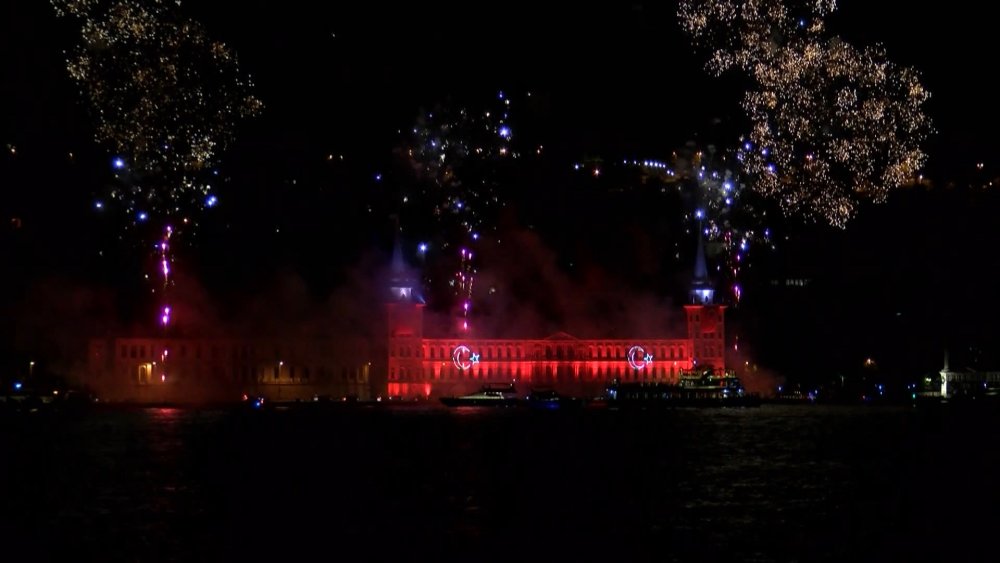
(779, 483)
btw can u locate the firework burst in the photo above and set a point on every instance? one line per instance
(166, 99)
(456, 155)
(732, 219)
(831, 124)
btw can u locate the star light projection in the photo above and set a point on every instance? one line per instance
(831, 124)
(166, 99)
(456, 154)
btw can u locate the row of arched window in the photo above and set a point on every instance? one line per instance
(194, 350)
(244, 373)
(625, 373)
(568, 353)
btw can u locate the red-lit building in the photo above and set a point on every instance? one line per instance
(184, 370)
(420, 366)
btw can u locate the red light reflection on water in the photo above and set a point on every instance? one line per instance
(168, 415)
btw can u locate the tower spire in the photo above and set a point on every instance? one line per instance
(401, 280)
(702, 291)
(398, 265)
(700, 268)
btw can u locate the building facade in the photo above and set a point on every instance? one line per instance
(421, 367)
(967, 383)
(202, 370)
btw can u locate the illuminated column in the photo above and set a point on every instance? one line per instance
(944, 377)
(707, 332)
(405, 315)
(706, 319)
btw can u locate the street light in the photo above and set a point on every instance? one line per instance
(31, 368)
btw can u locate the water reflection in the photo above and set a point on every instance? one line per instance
(768, 484)
(165, 414)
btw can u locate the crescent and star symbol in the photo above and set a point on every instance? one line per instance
(638, 358)
(463, 357)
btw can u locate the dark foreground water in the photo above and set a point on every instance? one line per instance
(778, 483)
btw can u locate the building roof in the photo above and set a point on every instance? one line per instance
(561, 336)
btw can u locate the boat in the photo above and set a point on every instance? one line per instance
(491, 395)
(549, 399)
(702, 388)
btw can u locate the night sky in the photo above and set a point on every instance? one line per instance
(607, 81)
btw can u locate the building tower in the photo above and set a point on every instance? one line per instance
(706, 320)
(405, 310)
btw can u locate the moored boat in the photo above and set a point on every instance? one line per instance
(693, 389)
(491, 395)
